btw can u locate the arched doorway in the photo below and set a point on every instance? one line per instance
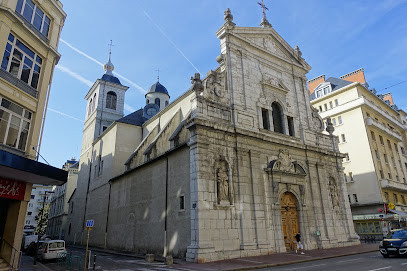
(289, 216)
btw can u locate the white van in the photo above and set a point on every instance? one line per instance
(49, 249)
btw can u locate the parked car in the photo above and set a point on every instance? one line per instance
(50, 249)
(395, 243)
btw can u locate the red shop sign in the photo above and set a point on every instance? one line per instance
(12, 189)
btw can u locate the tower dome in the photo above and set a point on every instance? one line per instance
(109, 67)
(157, 94)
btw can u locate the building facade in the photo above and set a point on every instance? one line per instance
(371, 130)
(58, 211)
(40, 198)
(29, 35)
(236, 166)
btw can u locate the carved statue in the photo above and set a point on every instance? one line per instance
(333, 193)
(222, 179)
(196, 83)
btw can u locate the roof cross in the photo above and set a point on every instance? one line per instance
(158, 74)
(110, 47)
(263, 6)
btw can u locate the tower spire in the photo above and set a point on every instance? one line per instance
(108, 67)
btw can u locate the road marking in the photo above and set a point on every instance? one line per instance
(349, 260)
(387, 267)
(403, 263)
(243, 260)
(304, 267)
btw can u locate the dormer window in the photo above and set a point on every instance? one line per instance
(111, 100)
(323, 90)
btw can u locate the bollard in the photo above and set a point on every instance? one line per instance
(150, 258)
(94, 262)
(169, 260)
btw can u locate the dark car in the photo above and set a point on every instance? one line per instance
(395, 243)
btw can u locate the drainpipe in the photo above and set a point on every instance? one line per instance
(107, 213)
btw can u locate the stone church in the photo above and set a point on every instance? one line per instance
(236, 166)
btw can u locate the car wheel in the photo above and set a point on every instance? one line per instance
(385, 255)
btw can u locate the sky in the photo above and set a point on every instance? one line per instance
(178, 39)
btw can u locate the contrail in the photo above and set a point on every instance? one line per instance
(101, 64)
(74, 75)
(129, 108)
(63, 114)
(165, 35)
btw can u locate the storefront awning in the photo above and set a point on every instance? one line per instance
(22, 169)
(400, 213)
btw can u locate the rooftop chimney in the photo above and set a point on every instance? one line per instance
(355, 76)
(389, 98)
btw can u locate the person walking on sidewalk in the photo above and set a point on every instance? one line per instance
(299, 244)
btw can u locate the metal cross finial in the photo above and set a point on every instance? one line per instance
(158, 74)
(110, 47)
(263, 7)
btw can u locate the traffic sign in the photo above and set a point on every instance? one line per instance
(89, 223)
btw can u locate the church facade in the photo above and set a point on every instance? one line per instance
(234, 167)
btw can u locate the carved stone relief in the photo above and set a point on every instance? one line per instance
(317, 123)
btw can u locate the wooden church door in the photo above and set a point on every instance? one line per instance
(289, 216)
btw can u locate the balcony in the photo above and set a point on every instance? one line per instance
(389, 184)
(380, 126)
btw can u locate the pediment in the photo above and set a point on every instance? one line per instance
(269, 41)
(284, 164)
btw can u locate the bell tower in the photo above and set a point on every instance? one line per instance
(105, 104)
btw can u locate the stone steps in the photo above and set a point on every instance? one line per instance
(3, 265)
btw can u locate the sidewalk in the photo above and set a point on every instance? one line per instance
(271, 260)
(248, 263)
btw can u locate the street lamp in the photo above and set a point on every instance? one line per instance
(39, 234)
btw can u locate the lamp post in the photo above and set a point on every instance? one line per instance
(39, 234)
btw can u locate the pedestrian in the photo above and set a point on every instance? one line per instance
(299, 244)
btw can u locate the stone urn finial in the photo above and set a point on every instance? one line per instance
(228, 17)
(329, 127)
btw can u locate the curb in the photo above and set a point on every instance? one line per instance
(299, 261)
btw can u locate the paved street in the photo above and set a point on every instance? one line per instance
(316, 260)
(362, 262)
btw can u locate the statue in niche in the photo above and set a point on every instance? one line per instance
(333, 192)
(222, 180)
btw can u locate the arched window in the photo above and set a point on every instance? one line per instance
(111, 100)
(90, 107)
(94, 103)
(166, 103)
(147, 101)
(278, 121)
(157, 102)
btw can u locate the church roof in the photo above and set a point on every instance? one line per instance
(110, 78)
(157, 87)
(135, 118)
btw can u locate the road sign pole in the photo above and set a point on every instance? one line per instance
(86, 251)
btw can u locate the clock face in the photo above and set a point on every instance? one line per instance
(151, 111)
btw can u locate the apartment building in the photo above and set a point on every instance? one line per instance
(371, 131)
(29, 35)
(58, 213)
